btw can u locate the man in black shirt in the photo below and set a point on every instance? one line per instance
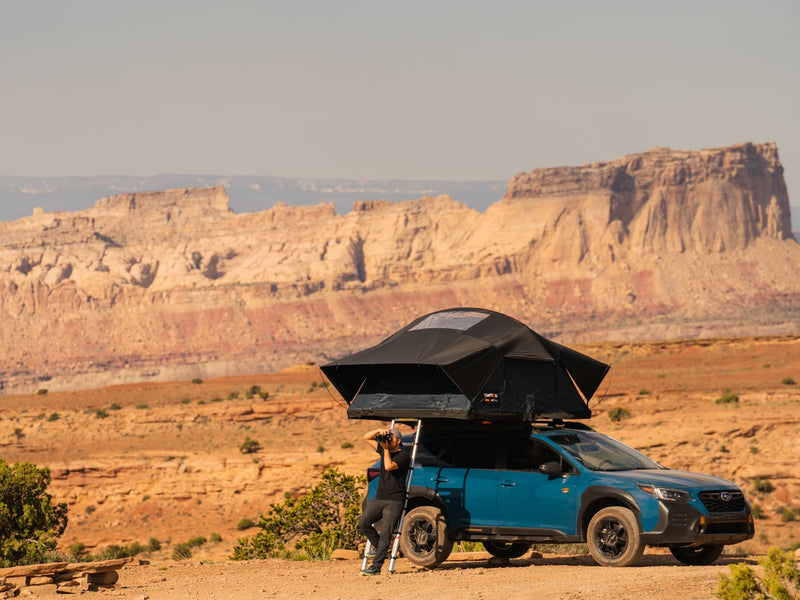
(388, 502)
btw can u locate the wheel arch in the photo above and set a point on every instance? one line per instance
(596, 498)
(424, 496)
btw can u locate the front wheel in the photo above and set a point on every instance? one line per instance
(506, 549)
(424, 538)
(613, 537)
(697, 555)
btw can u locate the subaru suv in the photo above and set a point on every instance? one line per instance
(559, 483)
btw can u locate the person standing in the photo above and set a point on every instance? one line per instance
(387, 506)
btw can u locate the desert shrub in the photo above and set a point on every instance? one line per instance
(115, 406)
(320, 448)
(54, 417)
(41, 392)
(197, 380)
(317, 523)
(763, 485)
(619, 413)
(182, 551)
(644, 392)
(245, 524)
(90, 509)
(30, 524)
(142, 406)
(18, 433)
(346, 445)
(77, 549)
(153, 545)
(781, 579)
(233, 395)
(215, 538)
(727, 398)
(758, 512)
(197, 541)
(788, 381)
(788, 515)
(249, 445)
(254, 390)
(186, 401)
(115, 551)
(101, 413)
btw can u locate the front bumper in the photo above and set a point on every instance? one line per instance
(681, 523)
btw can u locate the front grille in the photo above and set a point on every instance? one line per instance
(727, 528)
(724, 501)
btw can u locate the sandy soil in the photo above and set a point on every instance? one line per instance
(466, 575)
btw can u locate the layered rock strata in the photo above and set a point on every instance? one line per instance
(174, 284)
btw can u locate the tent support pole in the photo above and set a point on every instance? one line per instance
(396, 544)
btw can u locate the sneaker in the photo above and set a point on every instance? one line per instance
(371, 553)
(371, 570)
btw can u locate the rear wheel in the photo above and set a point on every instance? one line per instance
(506, 549)
(423, 539)
(613, 537)
(697, 555)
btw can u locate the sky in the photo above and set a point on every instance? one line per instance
(447, 90)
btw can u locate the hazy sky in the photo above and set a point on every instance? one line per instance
(422, 90)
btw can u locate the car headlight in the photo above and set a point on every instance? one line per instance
(663, 493)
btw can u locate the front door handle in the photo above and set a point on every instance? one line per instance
(507, 483)
(441, 480)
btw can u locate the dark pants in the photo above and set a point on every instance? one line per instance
(388, 513)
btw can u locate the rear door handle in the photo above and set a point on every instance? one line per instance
(507, 483)
(441, 480)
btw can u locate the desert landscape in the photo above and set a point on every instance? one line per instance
(162, 460)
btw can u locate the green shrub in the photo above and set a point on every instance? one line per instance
(197, 380)
(18, 433)
(215, 538)
(77, 550)
(619, 413)
(115, 406)
(758, 512)
(346, 445)
(54, 417)
(763, 485)
(101, 413)
(788, 515)
(197, 541)
(781, 579)
(248, 446)
(142, 406)
(320, 448)
(41, 392)
(245, 524)
(153, 545)
(186, 401)
(317, 523)
(233, 395)
(788, 381)
(90, 509)
(727, 398)
(30, 524)
(644, 392)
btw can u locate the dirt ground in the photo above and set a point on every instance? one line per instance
(466, 575)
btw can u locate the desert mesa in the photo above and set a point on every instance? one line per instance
(172, 284)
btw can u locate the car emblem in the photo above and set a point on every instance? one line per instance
(726, 496)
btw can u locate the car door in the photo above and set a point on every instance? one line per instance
(468, 484)
(529, 499)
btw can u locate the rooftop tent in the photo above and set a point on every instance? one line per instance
(467, 363)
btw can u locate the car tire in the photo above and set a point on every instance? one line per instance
(423, 538)
(506, 549)
(613, 537)
(697, 555)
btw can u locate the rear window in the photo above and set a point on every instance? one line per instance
(460, 452)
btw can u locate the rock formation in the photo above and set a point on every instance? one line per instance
(174, 284)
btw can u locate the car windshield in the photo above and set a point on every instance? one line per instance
(602, 453)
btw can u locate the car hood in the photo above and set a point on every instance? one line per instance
(670, 478)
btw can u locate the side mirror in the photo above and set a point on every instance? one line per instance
(551, 468)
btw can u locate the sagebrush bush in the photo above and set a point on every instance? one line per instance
(727, 398)
(248, 446)
(317, 523)
(619, 413)
(781, 579)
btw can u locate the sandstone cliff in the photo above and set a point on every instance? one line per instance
(174, 284)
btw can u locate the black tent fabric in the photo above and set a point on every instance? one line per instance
(467, 363)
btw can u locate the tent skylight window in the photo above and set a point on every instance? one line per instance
(458, 320)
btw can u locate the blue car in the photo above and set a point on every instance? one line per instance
(560, 483)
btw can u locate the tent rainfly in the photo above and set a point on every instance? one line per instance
(467, 363)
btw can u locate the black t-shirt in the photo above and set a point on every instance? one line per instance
(392, 484)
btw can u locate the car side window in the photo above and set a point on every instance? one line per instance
(529, 455)
(462, 452)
